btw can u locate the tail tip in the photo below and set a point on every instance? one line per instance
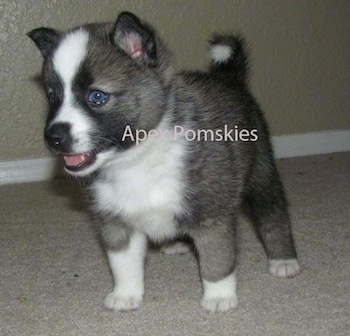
(220, 53)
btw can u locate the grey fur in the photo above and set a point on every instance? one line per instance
(115, 236)
(214, 241)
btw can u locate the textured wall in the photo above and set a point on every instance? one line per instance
(300, 57)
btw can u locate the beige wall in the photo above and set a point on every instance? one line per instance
(300, 57)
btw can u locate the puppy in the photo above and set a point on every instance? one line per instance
(168, 155)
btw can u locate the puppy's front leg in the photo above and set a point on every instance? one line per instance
(214, 242)
(127, 266)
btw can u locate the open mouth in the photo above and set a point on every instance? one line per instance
(76, 162)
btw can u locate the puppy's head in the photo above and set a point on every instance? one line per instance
(101, 78)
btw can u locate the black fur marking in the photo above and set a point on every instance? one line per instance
(46, 39)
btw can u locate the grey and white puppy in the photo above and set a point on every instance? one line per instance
(207, 151)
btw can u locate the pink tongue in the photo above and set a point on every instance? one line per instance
(74, 160)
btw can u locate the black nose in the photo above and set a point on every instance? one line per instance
(58, 137)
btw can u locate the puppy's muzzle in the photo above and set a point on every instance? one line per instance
(58, 139)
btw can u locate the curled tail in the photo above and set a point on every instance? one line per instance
(229, 58)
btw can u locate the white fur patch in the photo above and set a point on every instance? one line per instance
(220, 53)
(144, 185)
(220, 296)
(127, 268)
(284, 268)
(69, 55)
(66, 61)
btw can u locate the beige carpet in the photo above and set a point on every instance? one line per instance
(54, 274)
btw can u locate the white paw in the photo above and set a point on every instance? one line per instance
(220, 296)
(216, 305)
(176, 248)
(284, 268)
(122, 303)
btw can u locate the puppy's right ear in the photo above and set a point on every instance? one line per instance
(46, 39)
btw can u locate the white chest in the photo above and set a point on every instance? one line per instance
(146, 192)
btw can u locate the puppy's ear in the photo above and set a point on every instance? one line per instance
(135, 38)
(46, 39)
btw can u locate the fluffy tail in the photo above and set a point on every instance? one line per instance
(229, 58)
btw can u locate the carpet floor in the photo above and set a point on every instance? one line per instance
(54, 273)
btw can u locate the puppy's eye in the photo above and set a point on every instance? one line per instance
(52, 96)
(98, 98)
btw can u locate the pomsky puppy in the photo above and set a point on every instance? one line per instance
(204, 150)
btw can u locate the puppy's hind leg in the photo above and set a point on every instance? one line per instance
(266, 198)
(177, 247)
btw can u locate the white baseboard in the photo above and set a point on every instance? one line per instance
(284, 146)
(312, 143)
(23, 171)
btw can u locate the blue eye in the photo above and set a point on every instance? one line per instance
(53, 98)
(98, 98)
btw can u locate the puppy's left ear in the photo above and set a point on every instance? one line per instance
(135, 38)
(46, 39)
